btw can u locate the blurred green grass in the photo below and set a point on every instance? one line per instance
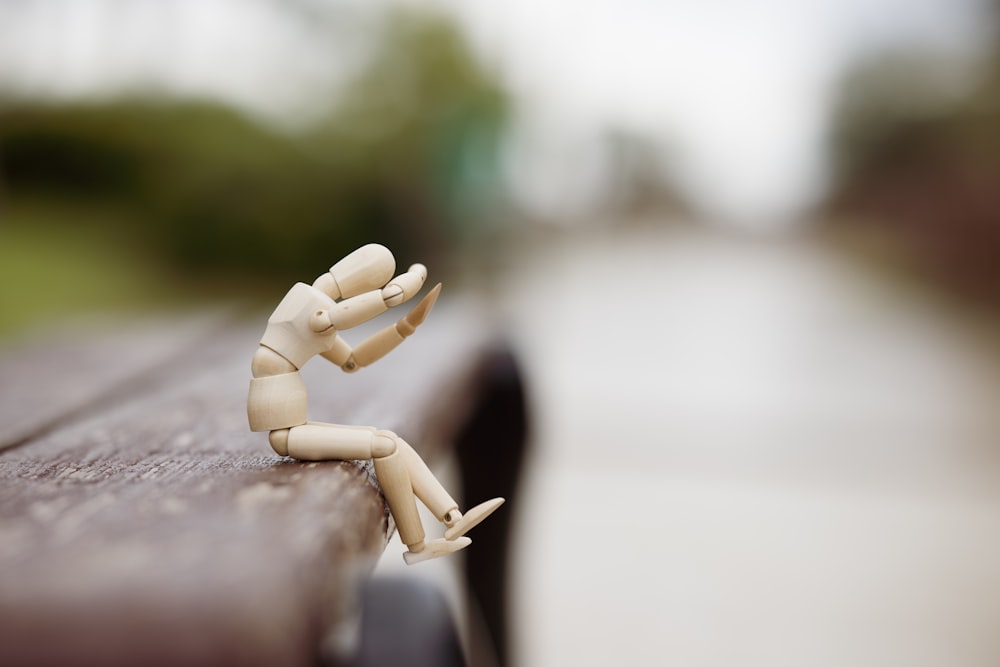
(57, 266)
(139, 203)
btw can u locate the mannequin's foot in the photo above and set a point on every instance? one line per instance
(471, 519)
(434, 549)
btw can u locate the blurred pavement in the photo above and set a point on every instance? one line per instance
(751, 452)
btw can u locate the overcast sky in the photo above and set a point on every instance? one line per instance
(739, 91)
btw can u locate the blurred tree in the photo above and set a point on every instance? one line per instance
(408, 157)
(641, 189)
(418, 134)
(921, 163)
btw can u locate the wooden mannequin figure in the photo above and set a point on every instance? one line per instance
(305, 324)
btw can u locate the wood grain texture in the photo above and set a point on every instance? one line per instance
(155, 528)
(57, 373)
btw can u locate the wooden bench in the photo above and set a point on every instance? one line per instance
(141, 522)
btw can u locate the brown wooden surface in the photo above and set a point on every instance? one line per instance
(55, 373)
(141, 522)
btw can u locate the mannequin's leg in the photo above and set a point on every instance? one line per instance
(425, 485)
(395, 483)
(316, 441)
(432, 494)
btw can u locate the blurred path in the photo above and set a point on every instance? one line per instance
(755, 453)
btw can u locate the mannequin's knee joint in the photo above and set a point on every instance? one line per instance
(384, 444)
(279, 441)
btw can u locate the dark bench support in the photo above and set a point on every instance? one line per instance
(491, 450)
(406, 623)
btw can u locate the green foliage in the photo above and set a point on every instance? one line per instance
(901, 108)
(886, 105)
(220, 193)
(51, 270)
(921, 165)
(419, 130)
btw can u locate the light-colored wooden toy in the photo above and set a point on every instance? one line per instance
(307, 323)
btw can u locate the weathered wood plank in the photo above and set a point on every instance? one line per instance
(54, 374)
(159, 530)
